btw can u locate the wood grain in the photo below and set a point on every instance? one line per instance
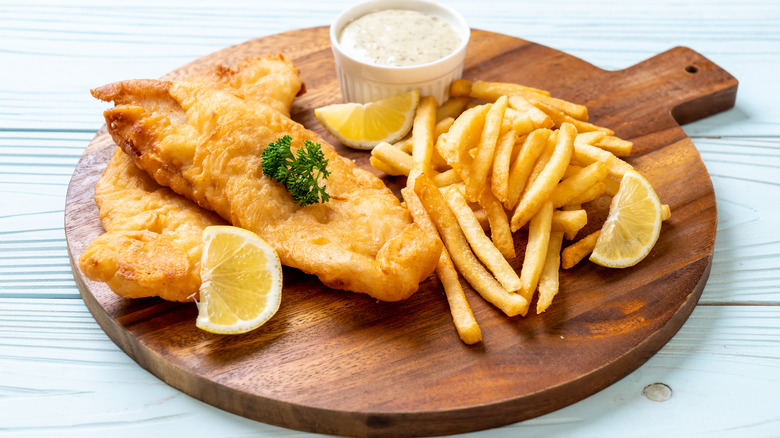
(339, 363)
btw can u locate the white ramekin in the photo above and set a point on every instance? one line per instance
(363, 82)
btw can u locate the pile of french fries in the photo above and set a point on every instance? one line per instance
(498, 159)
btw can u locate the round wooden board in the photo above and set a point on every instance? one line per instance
(341, 363)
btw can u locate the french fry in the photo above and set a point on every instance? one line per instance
(451, 108)
(462, 136)
(394, 157)
(618, 146)
(570, 109)
(446, 178)
(559, 118)
(575, 185)
(404, 144)
(537, 116)
(460, 88)
(540, 189)
(572, 169)
(486, 149)
(462, 256)
(570, 222)
(499, 224)
(588, 195)
(521, 168)
(611, 186)
(548, 281)
(590, 137)
(462, 316)
(482, 246)
(522, 123)
(572, 254)
(666, 212)
(499, 176)
(587, 154)
(383, 167)
(539, 229)
(423, 133)
(491, 91)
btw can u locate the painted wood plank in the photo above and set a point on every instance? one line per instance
(52, 351)
(89, 44)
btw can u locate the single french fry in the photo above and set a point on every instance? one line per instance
(442, 126)
(572, 169)
(460, 88)
(423, 133)
(521, 168)
(464, 259)
(482, 246)
(666, 212)
(559, 118)
(462, 316)
(590, 137)
(537, 116)
(405, 145)
(539, 190)
(491, 91)
(548, 281)
(499, 176)
(383, 167)
(464, 134)
(590, 194)
(578, 250)
(482, 218)
(451, 108)
(587, 154)
(521, 122)
(446, 178)
(499, 223)
(618, 146)
(572, 187)
(394, 157)
(486, 149)
(573, 110)
(539, 229)
(570, 222)
(611, 186)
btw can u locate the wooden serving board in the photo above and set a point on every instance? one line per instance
(341, 363)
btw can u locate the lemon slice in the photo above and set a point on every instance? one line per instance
(241, 281)
(363, 126)
(632, 226)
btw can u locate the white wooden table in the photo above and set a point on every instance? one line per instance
(60, 375)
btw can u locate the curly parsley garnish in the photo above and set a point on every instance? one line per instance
(299, 174)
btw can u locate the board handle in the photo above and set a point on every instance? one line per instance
(688, 85)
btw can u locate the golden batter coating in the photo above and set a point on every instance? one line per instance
(206, 144)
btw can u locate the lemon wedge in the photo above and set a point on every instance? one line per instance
(632, 226)
(363, 126)
(241, 277)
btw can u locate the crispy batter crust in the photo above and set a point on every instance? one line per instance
(205, 144)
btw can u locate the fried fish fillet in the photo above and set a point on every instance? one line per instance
(205, 144)
(152, 245)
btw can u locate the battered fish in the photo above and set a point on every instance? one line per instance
(205, 144)
(152, 245)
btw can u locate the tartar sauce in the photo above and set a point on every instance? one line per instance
(398, 37)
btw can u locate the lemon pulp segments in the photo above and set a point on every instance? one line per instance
(633, 224)
(364, 126)
(241, 281)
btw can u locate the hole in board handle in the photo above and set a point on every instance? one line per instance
(692, 69)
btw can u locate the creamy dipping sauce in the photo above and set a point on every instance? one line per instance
(397, 37)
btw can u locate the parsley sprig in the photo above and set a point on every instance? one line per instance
(300, 174)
